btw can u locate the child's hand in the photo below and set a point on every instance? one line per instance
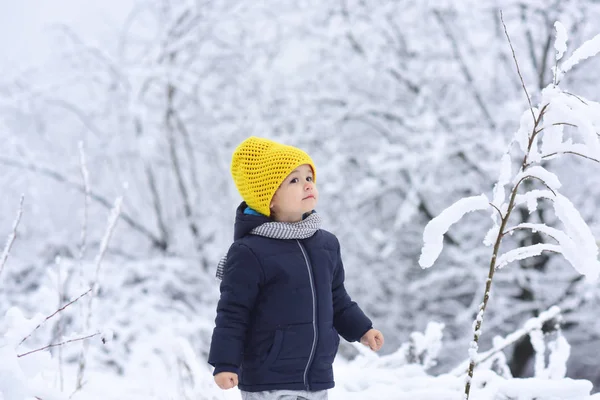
(373, 338)
(226, 380)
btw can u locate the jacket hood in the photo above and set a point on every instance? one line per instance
(244, 223)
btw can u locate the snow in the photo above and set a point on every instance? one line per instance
(433, 236)
(404, 154)
(588, 49)
(503, 180)
(581, 248)
(540, 173)
(522, 253)
(560, 350)
(577, 243)
(531, 198)
(560, 43)
(22, 377)
(526, 124)
(369, 376)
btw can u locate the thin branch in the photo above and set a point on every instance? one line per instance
(189, 149)
(517, 64)
(154, 192)
(176, 164)
(52, 315)
(465, 70)
(112, 222)
(11, 236)
(571, 152)
(544, 58)
(86, 200)
(556, 124)
(492, 267)
(58, 344)
(159, 243)
(540, 179)
(577, 97)
(85, 119)
(387, 116)
(497, 209)
(514, 228)
(413, 87)
(564, 123)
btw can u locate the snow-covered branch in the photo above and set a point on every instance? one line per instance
(11, 237)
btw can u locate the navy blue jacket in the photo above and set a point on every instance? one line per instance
(282, 305)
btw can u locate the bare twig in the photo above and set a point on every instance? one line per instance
(514, 228)
(577, 97)
(571, 152)
(11, 236)
(52, 315)
(58, 344)
(556, 124)
(517, 64)
(497, 209)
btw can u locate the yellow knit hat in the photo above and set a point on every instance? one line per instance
(258, 167)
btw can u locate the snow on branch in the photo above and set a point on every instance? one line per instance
(502, 343)
(586, 50)
(560, 44)
(433, 235)
(576, 241)
(522, 253)
(582, 251)
(539, 172)
(11, 237)
(531, 198)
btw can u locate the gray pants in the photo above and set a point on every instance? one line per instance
(285, 395)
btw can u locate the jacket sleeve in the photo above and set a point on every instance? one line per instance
(242, 277)
(348, 319)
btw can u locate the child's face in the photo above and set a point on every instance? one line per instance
(296, 195)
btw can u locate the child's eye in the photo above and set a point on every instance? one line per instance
(295, 180)
(309, 179)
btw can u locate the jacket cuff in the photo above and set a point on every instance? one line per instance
(226, 368)
(365, 331)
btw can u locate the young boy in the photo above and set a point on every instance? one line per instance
(283, 301)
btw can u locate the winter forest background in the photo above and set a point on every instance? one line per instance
(405, 106)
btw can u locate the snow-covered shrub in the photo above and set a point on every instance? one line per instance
(563, 123)
(394, 376)
(24, 376)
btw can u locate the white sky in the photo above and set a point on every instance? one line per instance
(24, 25)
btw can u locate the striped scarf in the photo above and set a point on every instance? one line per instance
(281, 230)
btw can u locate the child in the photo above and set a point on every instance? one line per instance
(283, 300)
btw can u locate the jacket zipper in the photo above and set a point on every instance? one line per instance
(314, 321)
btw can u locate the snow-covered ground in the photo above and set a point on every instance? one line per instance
(180, 373)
